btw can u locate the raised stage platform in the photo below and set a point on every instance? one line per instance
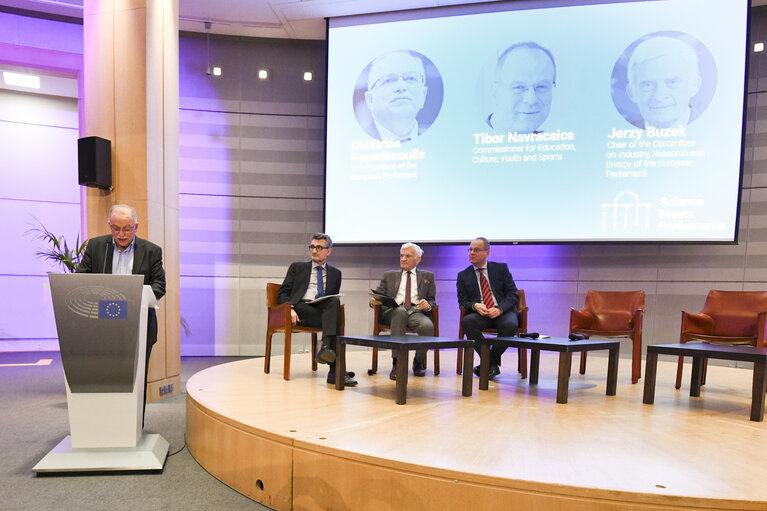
(303, 445)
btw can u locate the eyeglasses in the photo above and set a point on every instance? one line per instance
(317, 247)
(475, 250)
(518, 89)
(124, 230)
(388, 81)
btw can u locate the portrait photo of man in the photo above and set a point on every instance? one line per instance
(663, 80)
(521, 94)
(393, 103)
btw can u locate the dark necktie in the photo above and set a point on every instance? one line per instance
(320, 286)
(487, 296)
(408, 290)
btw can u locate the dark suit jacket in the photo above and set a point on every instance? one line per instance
(147, 261)
(427, 289)
(296, 282)
(501, 282)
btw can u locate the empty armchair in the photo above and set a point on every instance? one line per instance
(612, 314)
(728, 317)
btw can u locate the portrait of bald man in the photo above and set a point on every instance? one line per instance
(525, 76)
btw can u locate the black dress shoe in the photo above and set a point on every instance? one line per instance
(492, 372)
(418, 369)
(326, 355)
(349, 380)
(393, 373)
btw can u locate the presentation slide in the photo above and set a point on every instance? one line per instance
(608, 122)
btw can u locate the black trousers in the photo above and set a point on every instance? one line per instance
(326, 315)
(506, 324)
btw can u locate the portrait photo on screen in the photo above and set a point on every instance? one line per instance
(664, 80)
(517, 87)
(398, 95)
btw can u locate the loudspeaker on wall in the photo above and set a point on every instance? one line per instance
(94, 157)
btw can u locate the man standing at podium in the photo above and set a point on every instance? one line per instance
(123, 253)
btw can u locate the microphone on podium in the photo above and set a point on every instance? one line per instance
(530, 335)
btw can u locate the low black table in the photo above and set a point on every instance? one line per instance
(402, 345)
(565, 347)
(699, 352)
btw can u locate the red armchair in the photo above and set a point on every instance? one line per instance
(728, 317)
(612, 314)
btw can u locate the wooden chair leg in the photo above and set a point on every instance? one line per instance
(705, 366)
(314, 352)
(679, 366)
(374, 362)
(459, 364)
(522, 362)
(268, 352)
(436, 362)
(583, 362)
(286, 355)
(636, 360)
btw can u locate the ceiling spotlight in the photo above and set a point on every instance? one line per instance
(263, 74)
(307, 76)
(217, 71)
(758, 47)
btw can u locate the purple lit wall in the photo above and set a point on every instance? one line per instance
(38, 144)
(251, 172)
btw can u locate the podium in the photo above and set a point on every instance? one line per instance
(101, 320)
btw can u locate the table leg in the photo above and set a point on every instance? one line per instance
(484, 365)
(563, 378)
(757, 392)
(651, 366)
(535, 363)
(612, 371)
(340, 365)
(697, 375)
(402, 365)
(468, 362)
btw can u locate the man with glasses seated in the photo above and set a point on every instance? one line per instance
(304, 283)
(124, 253)
(396, 93)
(488, 293)
(525, 76)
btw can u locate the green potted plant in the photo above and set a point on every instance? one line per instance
(56, 249)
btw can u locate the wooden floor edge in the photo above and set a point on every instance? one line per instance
(228, 450)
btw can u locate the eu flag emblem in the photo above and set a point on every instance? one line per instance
(113, 309)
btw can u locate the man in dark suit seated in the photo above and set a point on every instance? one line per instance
(124, 253)
(415, 293)
(488, 293)
(308, 281)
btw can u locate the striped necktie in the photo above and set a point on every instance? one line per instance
(487, 296)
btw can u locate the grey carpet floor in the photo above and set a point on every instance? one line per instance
(33, 419)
